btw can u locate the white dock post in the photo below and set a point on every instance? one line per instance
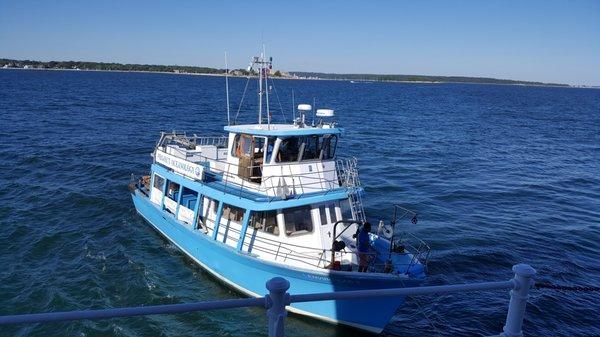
(277, 299)
(524, 274)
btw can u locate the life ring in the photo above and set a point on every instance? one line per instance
(387, 231)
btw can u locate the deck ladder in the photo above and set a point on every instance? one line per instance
(348, 175)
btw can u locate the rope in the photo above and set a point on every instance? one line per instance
(241, 101)
(544, 285)
(429, 320)
(278, 100)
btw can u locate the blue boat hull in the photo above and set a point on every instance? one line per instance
(248, 275)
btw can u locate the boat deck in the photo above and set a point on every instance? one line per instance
(215, 181)
(214, 187)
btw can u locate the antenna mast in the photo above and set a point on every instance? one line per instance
(293, 107)
(267, 87)
(260, 86)
(263, 68)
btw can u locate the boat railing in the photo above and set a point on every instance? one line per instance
(281, 251)
(309, 256)
(404, 240)
(418, 248)
(315, 257)
(280, 185)
(142, 184)
(347, 172)
(278, 298)
(190, 141)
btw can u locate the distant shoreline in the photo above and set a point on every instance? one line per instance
(205, 71)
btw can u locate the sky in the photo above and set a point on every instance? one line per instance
(547, 41)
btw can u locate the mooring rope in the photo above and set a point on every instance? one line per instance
(545, 285)
(421, 310)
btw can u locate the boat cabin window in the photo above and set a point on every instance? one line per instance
(211, 210)
(189, 198)
(298, 220)
(346, 211)
(327, 208)
(269, 148)
(328, 146)
(289, 150)
(311, 148)
(214, 204)
(245, 146)
(266, 221)
(253, 152)
(307, 148)
(233, 213)
(159, 182)
(172, 190)
(253, 146)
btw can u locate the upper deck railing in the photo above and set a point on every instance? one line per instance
(283, 185)
(191, 141)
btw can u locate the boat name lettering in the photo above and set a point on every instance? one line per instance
(183, 167)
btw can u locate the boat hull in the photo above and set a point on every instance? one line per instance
(249, 274)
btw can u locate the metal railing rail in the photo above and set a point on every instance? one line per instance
(278, 298)
(192, 141)
(420, 251)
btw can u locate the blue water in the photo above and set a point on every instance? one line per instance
(498, 174)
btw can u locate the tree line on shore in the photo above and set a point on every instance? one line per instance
(416, 78)
(107, 66)
(104, 66)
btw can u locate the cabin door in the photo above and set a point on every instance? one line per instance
(250, 153)
(245, 152)
(328, 218)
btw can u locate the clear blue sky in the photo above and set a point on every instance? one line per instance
(550, 41)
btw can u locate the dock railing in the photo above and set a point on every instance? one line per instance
(278, 298)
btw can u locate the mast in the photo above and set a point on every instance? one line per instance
(260, 87)
(263, 67)
(293, 107)
(267, 89)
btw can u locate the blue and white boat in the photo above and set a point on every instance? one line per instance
(269, 200)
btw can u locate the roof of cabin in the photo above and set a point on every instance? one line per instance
(282, 130)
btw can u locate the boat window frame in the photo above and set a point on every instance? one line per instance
(261, 229)
(327, 210)
(326, 148)
(227, 212)
(162, 183)
(345, 209)
(285, 211)
(327, 139)
(211, 210)
(183, 192)
(176, 195)
(310, 141)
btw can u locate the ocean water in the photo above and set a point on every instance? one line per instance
(498, 174)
